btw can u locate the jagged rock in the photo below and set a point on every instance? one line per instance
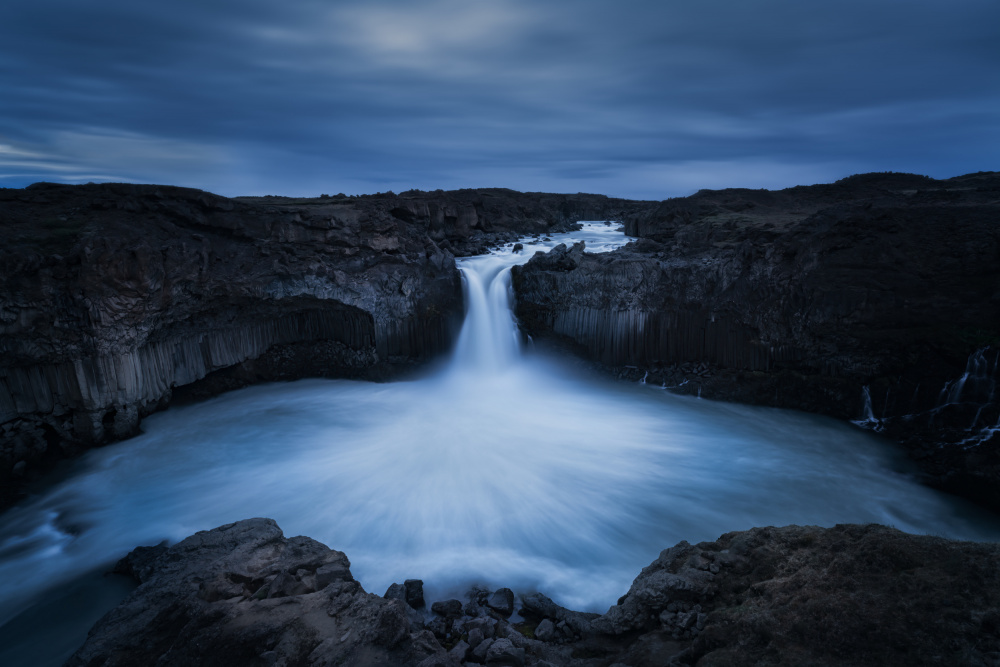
(243, 593)
(395, 592)
(414, 592)
(848, 595)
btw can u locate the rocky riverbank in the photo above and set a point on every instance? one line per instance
(118, 298)
(849, 595)
(875, 299)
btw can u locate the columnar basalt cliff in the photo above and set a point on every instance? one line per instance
(116, 295)
(861, 299)
(849, 595)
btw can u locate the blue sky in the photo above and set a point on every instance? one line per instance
(632, 98)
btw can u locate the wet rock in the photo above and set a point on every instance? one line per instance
(518, 247)
(538, 606)
(502, 602)
(476, 637)
(414, 591)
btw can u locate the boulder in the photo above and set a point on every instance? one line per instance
(502, 602)
(448, 608)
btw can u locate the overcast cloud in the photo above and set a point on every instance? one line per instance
(631, 98)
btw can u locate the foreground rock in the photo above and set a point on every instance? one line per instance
(850, 595)
(867, 299)
(116, 295)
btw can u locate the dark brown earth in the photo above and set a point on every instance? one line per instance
(807, 298)
(116, 297)
(242, 594)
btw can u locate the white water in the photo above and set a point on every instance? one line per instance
(502, 467)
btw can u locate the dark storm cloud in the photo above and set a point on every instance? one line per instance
(636, 98)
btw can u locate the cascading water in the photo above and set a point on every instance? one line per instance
(489, 340)
(503, 468)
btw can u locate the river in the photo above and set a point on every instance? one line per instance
(502, 466)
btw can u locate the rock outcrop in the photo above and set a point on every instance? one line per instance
(850, 595)
(115, 295)
(861, 299)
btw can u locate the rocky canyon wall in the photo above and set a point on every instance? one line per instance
(859, 298)
(116, 296)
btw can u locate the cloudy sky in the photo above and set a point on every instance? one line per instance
(633, 98)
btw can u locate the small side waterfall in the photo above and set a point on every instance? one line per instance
(977, 384)
(967, 409)
(868, 419)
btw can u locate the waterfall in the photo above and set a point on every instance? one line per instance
(966, 405)
(490, 340)
(868, 419)
(976, 385)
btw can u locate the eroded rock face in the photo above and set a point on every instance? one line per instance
(244, 594)
(849, 595)
(800, 298)
(116, 295)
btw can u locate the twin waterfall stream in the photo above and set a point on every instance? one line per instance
(502, 466)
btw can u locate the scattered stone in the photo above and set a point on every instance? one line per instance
(448, 608)
(476, 637)
(242, 590)
(518, 247)
(459, 651)
(484, 623)
(479, 653)
(545, 631)
(503, 652)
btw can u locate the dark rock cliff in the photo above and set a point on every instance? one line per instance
(116, 295)
(876, 288)
(849, 595)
